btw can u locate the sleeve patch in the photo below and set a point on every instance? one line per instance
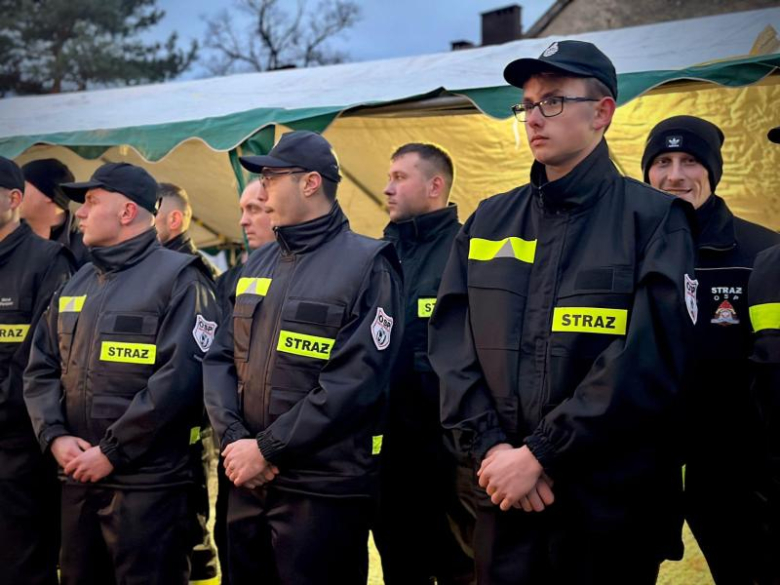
(381, 329)
(204, 332)
(690, 298)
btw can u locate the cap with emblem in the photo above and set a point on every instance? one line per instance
(567, 58)
(694, 136)
(303, 149)
(774, 135)
(47, 175)
(131, 181)
(11, 176)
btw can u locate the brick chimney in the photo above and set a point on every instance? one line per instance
(502, 25)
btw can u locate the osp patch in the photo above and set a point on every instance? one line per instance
(381, 329)
(204, 332)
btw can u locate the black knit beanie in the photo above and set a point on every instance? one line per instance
(46, 175)
(689, 134)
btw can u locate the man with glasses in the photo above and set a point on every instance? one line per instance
(683, 157)
(296, 386)
(561, 336)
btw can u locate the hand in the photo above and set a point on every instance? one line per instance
(66, 448)
(245, 465)
(539, 497)
(91, 466)
(509, 475)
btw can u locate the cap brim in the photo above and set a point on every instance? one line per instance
(78, 191)
(256, 164)
(520, 70)
(774, 135)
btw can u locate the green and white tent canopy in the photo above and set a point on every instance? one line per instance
(190, 132)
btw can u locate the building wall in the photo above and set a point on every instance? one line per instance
(590, 15)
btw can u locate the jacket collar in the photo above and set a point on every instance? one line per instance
(716, 225)
(182, 243)
(12, 240)
(126, 254)
(305, 237)
(423, 227)
(581, 187)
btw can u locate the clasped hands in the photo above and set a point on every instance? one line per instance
(513, 477)
(80, 459)
(245, 465)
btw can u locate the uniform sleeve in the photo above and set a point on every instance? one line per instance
(466, 404)
(42, 388)
(353, 382)
(634, 387)
(174, 389)
(220, 379)
(764, 302)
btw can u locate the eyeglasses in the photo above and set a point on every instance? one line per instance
(549, 106)
(266, 175)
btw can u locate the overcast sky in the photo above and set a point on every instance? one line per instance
(388, 28)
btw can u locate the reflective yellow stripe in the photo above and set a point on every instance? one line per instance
(128, 353)
(72, 304)
(253, 286)
(212, 581)
(425, 307)
(305, 345)
(194, 435)
(376, 446)
(13, 333)
(517, 248)
(765, 316)
(590, 320)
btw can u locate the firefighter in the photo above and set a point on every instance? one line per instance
(31, 269)
(297, 380)
(683, 157)
(47, 209)
(113, 388)
(414, 535)
(561, 337)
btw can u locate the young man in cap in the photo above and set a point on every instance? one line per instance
(31, 269)
(296, 382)
(683, 157)
(561, 336)
(113, 388)
(764, 307)
(415, 535)
(46, 207)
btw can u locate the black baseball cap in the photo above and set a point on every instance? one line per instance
(774, 135)
(11, 176)
(303, 149)
(567, 58)
(129, 180)
(47, 175)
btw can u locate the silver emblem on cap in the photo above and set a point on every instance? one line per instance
(673, 141)
(551, 50)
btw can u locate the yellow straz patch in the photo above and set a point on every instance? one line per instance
(512, 247)
(590, 320)
(765, 316)
(72, 304)
(305, 345)
(253, 286)
(13, 333)
(425, 307)
(376, 444)
(128, 353)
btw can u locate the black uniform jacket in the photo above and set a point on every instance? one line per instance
(561, 323)
(116, 360)
(69, 235)
(718, 402)
(183, 243)
(765, 317)
(423, 244)
(31, 269)
(303, 364)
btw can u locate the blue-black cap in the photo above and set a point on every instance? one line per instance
(774, 135)
(11, 176)
(131, 181)
(567, 58)
(303, 149)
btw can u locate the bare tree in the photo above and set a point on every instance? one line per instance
(260, 36)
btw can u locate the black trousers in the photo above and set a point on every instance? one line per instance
(521, 548)
(281, 538)
(29, 516)
(112, 536)
(220, 520)
(425, 516)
